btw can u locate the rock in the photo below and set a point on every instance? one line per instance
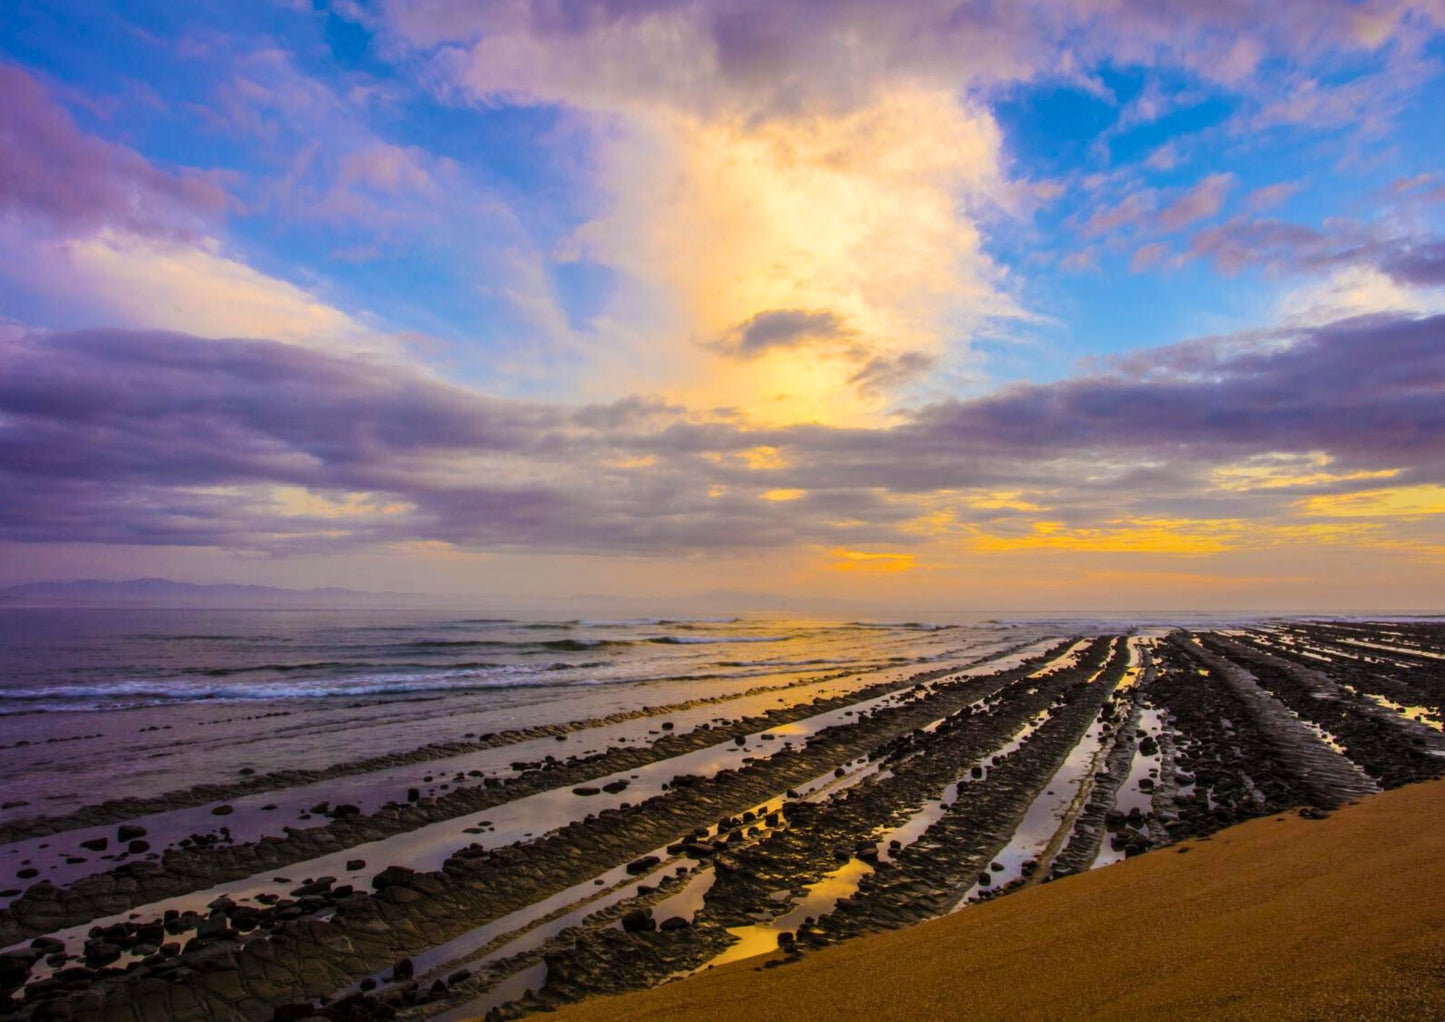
(14, 971)
(642, 865)
(673, 923)
(100, 953)
(129, 832)
(639, 920)
(392, 876)
(138, 846)
(96, 844)
(354, 864)
(213, 926)
(223, 810)
(292, 1012)
(315, 887)
(613, 787)
(586, 790)
(403, 969)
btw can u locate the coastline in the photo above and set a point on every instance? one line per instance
(1282, 917)
(507, 850)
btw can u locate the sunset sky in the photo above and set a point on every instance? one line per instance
(1071, 304)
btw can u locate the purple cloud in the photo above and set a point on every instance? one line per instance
(780, 328)
(150, 438)
(51, 170)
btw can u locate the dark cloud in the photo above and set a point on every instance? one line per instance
(884, 373)
(153, 438)
(1242, 242)
(780, 328)
(52, 170)
(1422, 265)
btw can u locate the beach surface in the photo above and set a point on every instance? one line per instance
(249, 817)
(1284, 917)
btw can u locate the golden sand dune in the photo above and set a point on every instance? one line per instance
(1278, 918)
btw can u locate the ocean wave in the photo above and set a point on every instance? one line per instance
(643, 622)
(701, 640)
(209, 638)
(116, 695)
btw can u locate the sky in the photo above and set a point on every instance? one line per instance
(1044, 305)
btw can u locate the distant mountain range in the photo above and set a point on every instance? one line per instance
(161, 592)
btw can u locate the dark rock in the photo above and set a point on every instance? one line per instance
(642, 865)
(355, 864)
(673, 923)
(96, 844)
(14, 971)
(129, 832)
(639, 920)
(392, 876)
(292, 1012)
(223, 811)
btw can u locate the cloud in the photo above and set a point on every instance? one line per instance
(150, 438)
(884, 374)
(1270, 196)
(1148, 256)
(780, 328)
(750, 156)
(1422, 265)
(56, 174)
(1201, 202)
(1277, 245)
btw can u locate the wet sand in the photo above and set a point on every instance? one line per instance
(1282, 917)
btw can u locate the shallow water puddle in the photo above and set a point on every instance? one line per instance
(760, 938)
(1048, 814)
(512, 988)
(1131, 794)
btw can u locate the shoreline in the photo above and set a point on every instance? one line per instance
(1284, 917)
(611, 841)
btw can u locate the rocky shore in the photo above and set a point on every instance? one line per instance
(856, 802)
